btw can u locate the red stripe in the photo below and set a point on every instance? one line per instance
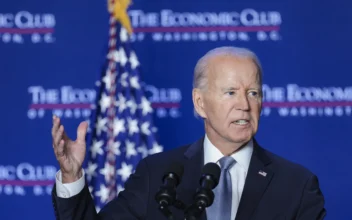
(305, 104)
(27, 30)
(206, 29)
(27, 183)
(60, 106)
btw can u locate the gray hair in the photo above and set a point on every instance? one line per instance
(200, 79)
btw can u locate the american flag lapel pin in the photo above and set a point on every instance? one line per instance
(262, 173)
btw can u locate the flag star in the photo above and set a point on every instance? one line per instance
(130, 149)
(115, 148)
(122, 56)
(97, 83)
(134, 82)
(101, 125)
(132, 105)
(125, 171)
(146, 107)
(103, 193)
(123, 34)
(133, 60)
(104, 102)
(132, 126)
(143, 150)
(119, 126)
(108, 79)
(107, 171)
(123, 79)
(119, 188)
(145, 128)
(96, 148)
(91, 170)
(121, 103)
(114, 55)
(156, 148)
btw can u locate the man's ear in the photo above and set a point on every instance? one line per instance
(198, 102)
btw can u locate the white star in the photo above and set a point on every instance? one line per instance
(119, 126)
(132, 105)
(123, 79)
(114, 55)
(119, 188)
(143, 150)
(105, 102)
(123, 34)
(103, 193)
(125, 171)
(101, 124)
(115, 148)
(96, 148)
(133, 60)
(156, 148)
(90, 171)
(134, 82)
(132, 126)
(108, 78)
(146, 107)
(107, 171)
(130, 150)
(145, 128)
(121, 103)
(123, 57)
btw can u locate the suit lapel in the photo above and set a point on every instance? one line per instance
(258, 179)
(193, 163)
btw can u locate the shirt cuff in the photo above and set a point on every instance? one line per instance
(67, 190)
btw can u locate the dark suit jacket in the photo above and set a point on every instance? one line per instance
(288, 191)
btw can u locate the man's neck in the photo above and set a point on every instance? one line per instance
(226, 147)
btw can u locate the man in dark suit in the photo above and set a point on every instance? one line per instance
(254, 183)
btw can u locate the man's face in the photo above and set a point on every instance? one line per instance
(231, 103)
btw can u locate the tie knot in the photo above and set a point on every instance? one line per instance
(227, 162)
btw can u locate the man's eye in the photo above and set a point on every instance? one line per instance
(231, 92)
(253, 93)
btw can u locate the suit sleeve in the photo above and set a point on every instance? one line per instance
(312, 201)
(131, 204)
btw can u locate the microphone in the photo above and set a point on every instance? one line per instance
(209, 180)
(166, 196)
(204, 196)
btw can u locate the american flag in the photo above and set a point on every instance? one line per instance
(121, 130)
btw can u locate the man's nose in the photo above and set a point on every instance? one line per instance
(243, 103)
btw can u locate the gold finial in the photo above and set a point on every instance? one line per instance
(119, 9)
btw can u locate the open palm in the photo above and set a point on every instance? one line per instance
(70, 154)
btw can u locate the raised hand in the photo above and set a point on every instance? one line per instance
(70, 154)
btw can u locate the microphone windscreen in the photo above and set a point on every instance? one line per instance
(213, 170)
(175, 168)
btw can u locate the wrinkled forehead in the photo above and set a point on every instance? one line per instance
(233, 68)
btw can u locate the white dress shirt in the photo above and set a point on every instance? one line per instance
(238, 171)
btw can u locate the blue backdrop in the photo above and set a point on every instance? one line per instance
(51, 54)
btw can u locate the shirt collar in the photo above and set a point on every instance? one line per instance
(213, 154)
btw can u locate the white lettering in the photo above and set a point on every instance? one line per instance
(7, 173)
(6, 20)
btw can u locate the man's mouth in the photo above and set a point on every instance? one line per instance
(241, 122)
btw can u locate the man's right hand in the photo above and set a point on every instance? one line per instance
(70, 154)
